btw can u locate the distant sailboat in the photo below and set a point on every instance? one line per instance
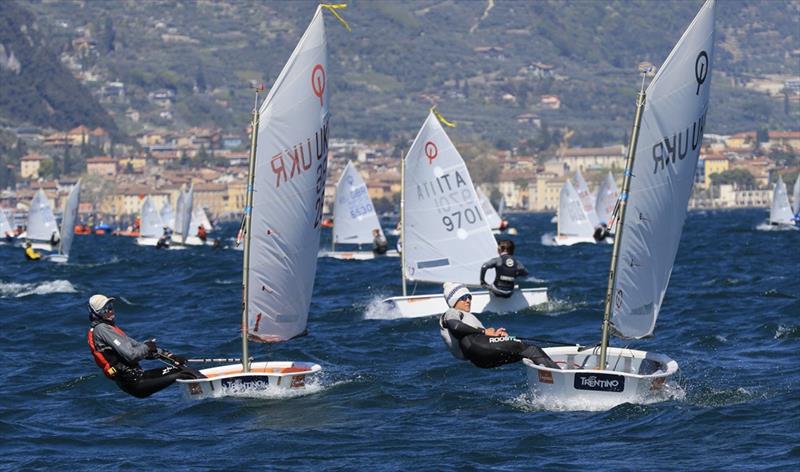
(662, 158)
(780, 213)
(573, 224)
(796, 198)
(6, 231)
(199, 218)
(68, 220)
(41, 223)
(492, 217)
(167, 215)
(151, 227)
(282, 217)
(445, 234)
(354, 217)
(587, 200)
(183, 217)
(607, 197)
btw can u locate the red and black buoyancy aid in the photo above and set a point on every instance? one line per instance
(106, 365)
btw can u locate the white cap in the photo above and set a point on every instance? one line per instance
(97, 302)
(452, 292)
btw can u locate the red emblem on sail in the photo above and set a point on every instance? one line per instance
(318, 81)
(431, 151)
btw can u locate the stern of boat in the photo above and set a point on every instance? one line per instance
(263, 379)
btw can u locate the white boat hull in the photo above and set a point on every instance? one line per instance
(562, 240)
(264, 377)
(60, 258)
(631, 377)
(147, 241)
(43, 246)
(415, 306)
(357, 255)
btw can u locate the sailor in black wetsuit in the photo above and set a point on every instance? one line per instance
(467, 339)
(506, 270)
(118, 355)
(601, 232)
(379, 243)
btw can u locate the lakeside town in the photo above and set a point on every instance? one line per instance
(736, 171)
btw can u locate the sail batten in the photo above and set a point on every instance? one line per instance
(662, 176)
(290, 170)
(446, 233)
(354, 216)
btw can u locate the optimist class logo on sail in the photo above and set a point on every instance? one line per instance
(431, 151)
(318, 81)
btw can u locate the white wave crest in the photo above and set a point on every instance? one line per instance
(15, 290)
(530, 402)
(377, 310)
(262, 391)
(549, 239)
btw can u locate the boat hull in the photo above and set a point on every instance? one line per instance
(143, 241)
(631, 377)
(264, 377)
(416, 306)
(562, 240)
(357, 255)
(59, 258)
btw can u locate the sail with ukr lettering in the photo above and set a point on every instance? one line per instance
(586, 198)
(572, 219)
(796, 196)
(354, 216)
(606, 199)
(446, 234)
(167, 215)
(69, 219)
(663, 172)
(41, 222)
(150, 225)
(780, 212)
(492, 217)
(290, 170)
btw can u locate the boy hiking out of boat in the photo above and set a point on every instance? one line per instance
(30, 252)
(467, 339)
(506, 270)
(118, 355)
(379, 243)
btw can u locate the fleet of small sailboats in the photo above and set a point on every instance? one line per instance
(669, 123)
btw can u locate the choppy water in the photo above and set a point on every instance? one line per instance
(391, 397)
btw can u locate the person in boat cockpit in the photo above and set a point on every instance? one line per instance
(467, 339)
(506, 270)
(54, 239)
(163, 241)
(601, 232)
(118, 355)
(379, 243)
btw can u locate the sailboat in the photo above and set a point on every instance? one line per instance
(167, 215)
(587, 200)
(445, 234)
(198, 218)
(573, 225)
(354, 217)
(288, 167)
(183, 217)
(492, 217)
(6, 231)
(607, 197)
(780, 213)
(662, 156)
(68, 220)
(41, 223)
(151, 228)
(796, 199)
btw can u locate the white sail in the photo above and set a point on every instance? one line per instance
(586, 198)
(290, 170)
(780, 212)
(69, 219)
(796, 196)
(572, 219)
(447, 237)
(606, 199)
(354, 216)
(199, 217)
(150, 225)
(491, 215)
(179, 212)
(663, 172)
(41, 222)
(167, 215)
(186, 218)
(501, 207)
(5, 226)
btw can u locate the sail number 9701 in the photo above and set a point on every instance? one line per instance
(458, 219)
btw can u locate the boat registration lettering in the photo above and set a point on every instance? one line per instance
(599, 382)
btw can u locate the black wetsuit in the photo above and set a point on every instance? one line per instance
(506, 269)
(601, 232)
(163, 241)
(468, 342)
(118, 355)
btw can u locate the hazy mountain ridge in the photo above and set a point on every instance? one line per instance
(402, 56)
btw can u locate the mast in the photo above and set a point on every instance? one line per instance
(620, 222)
(247, 223)
(403, 223)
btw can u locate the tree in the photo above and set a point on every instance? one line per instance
(741, 178)
(47, 168)
(108, 36)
